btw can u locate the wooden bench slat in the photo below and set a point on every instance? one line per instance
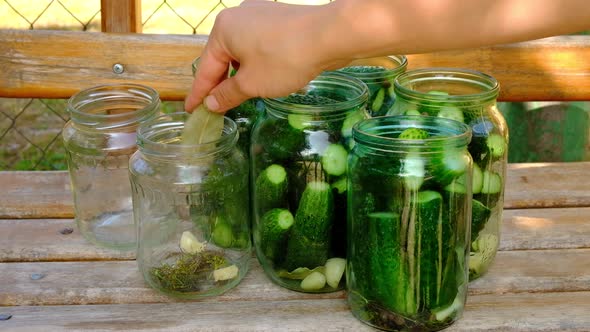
(109, 282)
(56, 64)
(46, 194)
(29, 240)
(542, 185)
(552, 228)
(510, 312)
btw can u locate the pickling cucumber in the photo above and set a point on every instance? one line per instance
(479, 217)
(334, 159)
(271, 188)
(274, 229)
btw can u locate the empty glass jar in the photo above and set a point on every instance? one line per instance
(99, 139)
(469, 97)
(191, 209)
(409, 204)
(379, 74)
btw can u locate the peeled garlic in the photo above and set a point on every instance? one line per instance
(225, 273)
(189, 243)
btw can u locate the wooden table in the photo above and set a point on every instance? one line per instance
(53, 280)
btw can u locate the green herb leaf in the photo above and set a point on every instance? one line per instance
(202, 126)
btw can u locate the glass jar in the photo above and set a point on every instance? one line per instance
(244, 115)
(99, 139)
(470, 97)
(409, 220)
(190, 204)
(379, 74)
(298, 159)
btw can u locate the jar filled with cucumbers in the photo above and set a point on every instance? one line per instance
(470, 97)
(409, 216)
(190, 203)
(379, 74)
(298, 158)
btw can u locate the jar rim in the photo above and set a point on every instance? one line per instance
(378, 133)
(331, 77)
(168, 127)
(80, 104)
(400, 62)
(489, 85)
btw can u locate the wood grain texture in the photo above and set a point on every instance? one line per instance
(110, 282)
(120, 15)
(32, 240)
(530, 185)
(29, 240)
(536, 185)
(528, 229)
(52, 64)
(35, 195)
(57, 64)
(566, 312)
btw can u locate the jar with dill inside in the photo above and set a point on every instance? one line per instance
(379, 74)
(299, 152)
(190, 203)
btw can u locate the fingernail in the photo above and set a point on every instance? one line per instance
(211, 103)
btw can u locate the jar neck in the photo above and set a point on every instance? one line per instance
(440, 87)
(392, 65)
(349, 94)
(380, 134)
(161, 138)
(113, 107)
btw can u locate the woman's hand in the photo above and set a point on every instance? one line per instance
(269, 42)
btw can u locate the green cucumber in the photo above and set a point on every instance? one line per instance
(309, 242)
(274, 229)
(279, 140)
(299, 121)
(413, 133)
(340, 185)
(496, 144)
(271, 188)
(350, 120)
(451, 112)
(479, 217)
(450, 165)
(378, 101)
(477, 179)
(334, 159)
(430, 244)
(222, 234)
(385, 279)
(492, 183)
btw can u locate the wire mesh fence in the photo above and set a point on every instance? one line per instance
(30, 129)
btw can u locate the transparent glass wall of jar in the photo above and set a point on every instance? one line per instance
(298, 159)
(99, 139)
(470, 97)
(379, 74)
(191, 207)
(409, 204)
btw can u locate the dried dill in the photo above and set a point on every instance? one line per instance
(189, 272)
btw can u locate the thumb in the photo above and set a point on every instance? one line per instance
(226, 95)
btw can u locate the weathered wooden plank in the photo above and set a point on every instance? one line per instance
(35, 195)
(514, 312)
(51, 64)
(26, 240)
(57, 64)
(108, 282)
(46, 194)
(120, 16)
(545, 229)
(530, 185)
(523, 229)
